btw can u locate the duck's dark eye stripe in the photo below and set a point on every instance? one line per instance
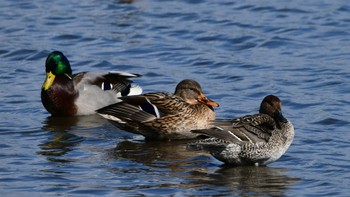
(106, 86)
(270, 102)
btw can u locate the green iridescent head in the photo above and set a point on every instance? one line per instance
(56, 64)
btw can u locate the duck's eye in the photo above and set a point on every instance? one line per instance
(106, 86)
(270, 102)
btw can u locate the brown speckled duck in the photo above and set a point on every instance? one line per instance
(250, 140)
(164, 116)
(67, 94)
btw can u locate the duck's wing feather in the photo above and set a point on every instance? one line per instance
(256, 127)
(220, 133)
(143, 108)
(250, 128)
(212, 144)
(158, 103)
(119, 82)
(126, 112)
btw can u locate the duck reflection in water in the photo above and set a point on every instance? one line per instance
(65, 124)
(256, 181)
(65, 133)
(163, 154)
(200, 170)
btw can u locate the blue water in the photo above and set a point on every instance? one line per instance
(239, 51)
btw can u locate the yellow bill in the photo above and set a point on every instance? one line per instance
(48, 81)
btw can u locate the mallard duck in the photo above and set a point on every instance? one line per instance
(250, 140)
(67, 94)
(164, 116)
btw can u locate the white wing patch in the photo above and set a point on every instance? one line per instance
(106, 86)
(155, 108)
(121, 73)
(235, 136)
(113, 118)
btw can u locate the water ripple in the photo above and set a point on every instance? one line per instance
(239, 51)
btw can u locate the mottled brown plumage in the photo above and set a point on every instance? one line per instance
(250, 140)
(161, 116)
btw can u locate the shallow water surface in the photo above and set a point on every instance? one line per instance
(239, 51)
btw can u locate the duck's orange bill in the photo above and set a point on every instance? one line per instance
(212, 103)
(205, 100)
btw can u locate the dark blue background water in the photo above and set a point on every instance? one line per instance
(239, 51)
